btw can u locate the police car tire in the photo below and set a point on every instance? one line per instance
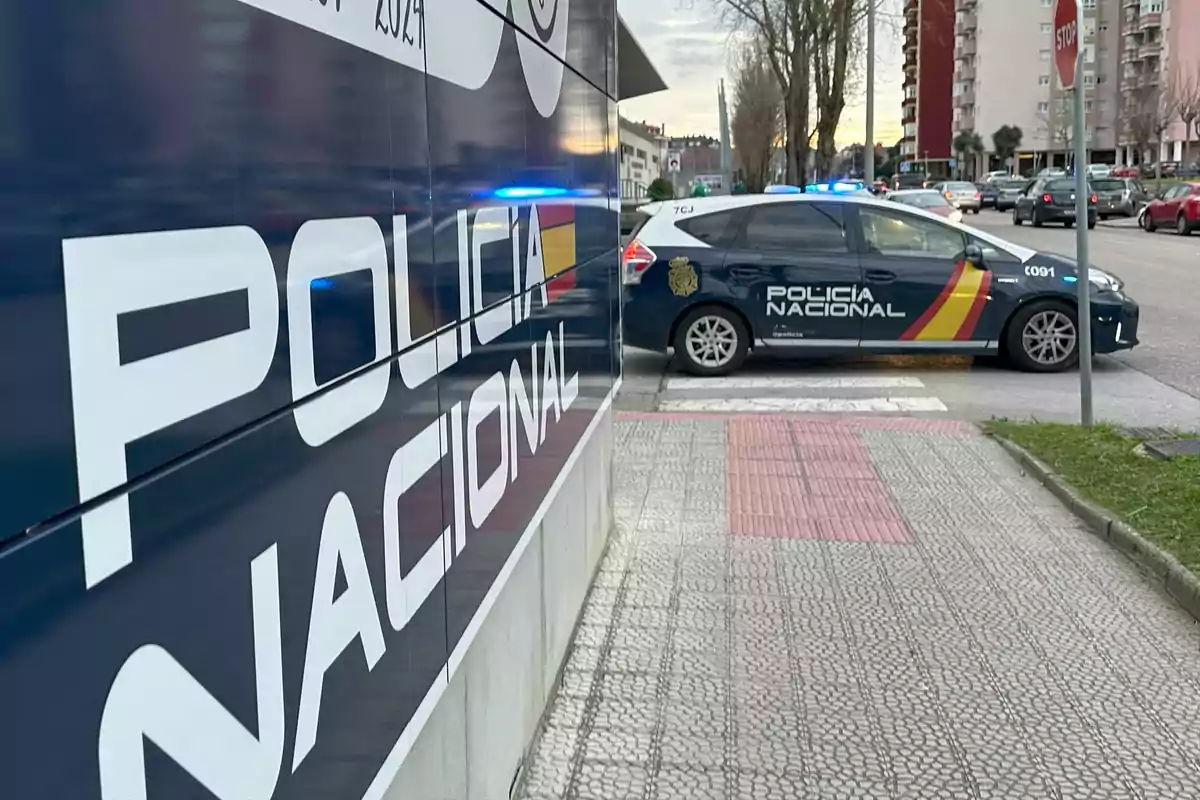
(1015, 352)
(693, 367)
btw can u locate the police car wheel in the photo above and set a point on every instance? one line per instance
(711, 341)
(1043, 337)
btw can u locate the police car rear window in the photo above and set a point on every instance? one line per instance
(714, 229)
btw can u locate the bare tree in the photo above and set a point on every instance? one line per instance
(783, 30)
(757, 114)
(1152, 109)
(1056, 122)
(833, 26)
(1188, 110)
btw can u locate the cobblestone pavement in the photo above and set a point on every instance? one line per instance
(861, 608)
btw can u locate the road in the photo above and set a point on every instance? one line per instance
(1157, 383)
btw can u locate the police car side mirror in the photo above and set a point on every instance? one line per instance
(973, 255)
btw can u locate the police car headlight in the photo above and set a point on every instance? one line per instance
(1104, 281)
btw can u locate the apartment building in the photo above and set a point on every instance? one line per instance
(928, 76)
(1004, 75)
(1156, 64)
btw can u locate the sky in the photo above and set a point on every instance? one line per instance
(686, 41)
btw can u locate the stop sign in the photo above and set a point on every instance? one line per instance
(1066, 40)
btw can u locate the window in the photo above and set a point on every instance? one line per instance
(714, 229)
(1047, 3)
(798, 226)
(1043, 80)
(993, 254)
(892, 233)
(1047, 27)
(1043, 107)
(1044, 55)
(1089, 79)
(1089, 3)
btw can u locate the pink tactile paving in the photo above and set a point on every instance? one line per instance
(806, 479)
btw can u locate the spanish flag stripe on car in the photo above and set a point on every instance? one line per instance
(557, 222)
(956, 311)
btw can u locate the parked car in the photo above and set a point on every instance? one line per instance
(987, 194)
(1118, 197)
(1124, 172)
(910, 180)
(961, 194)
(1007, 192)
(1099, 170)
(1052, 172)
(934, 202)
(996, 175)
(1178, 208)
(1051, 200)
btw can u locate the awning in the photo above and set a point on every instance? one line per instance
(636, 76)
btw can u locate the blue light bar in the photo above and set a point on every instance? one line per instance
(529, 192)
(836, 187)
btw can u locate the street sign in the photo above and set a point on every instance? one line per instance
(952, 163)
(673, 161)
(1066, 40)
(905, 166)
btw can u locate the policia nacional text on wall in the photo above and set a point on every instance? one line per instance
(310, 316)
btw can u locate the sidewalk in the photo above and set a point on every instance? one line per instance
(835, 607)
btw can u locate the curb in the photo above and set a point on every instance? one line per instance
(1178, 582)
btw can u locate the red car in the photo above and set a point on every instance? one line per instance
(1178, 208)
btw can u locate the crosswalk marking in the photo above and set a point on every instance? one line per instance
(755, 384)
(807, 405)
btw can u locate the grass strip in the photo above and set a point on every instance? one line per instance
(1159, 499)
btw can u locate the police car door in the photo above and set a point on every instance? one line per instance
(921, 293)
(796, 267)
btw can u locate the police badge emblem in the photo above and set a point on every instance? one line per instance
(682, 277)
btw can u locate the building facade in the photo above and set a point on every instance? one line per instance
(926, 110)
(643, 157)
(1005, 75)
(1158, 68)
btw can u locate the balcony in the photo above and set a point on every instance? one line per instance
(964, 73)
(910, 44)
(912, 10)
(966, 49)
(910, 67)
(1150, 50)
(966, 99)
(1148, 21)
(967, 24)
(964, 5)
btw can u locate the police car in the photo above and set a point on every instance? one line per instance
(825, 273)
